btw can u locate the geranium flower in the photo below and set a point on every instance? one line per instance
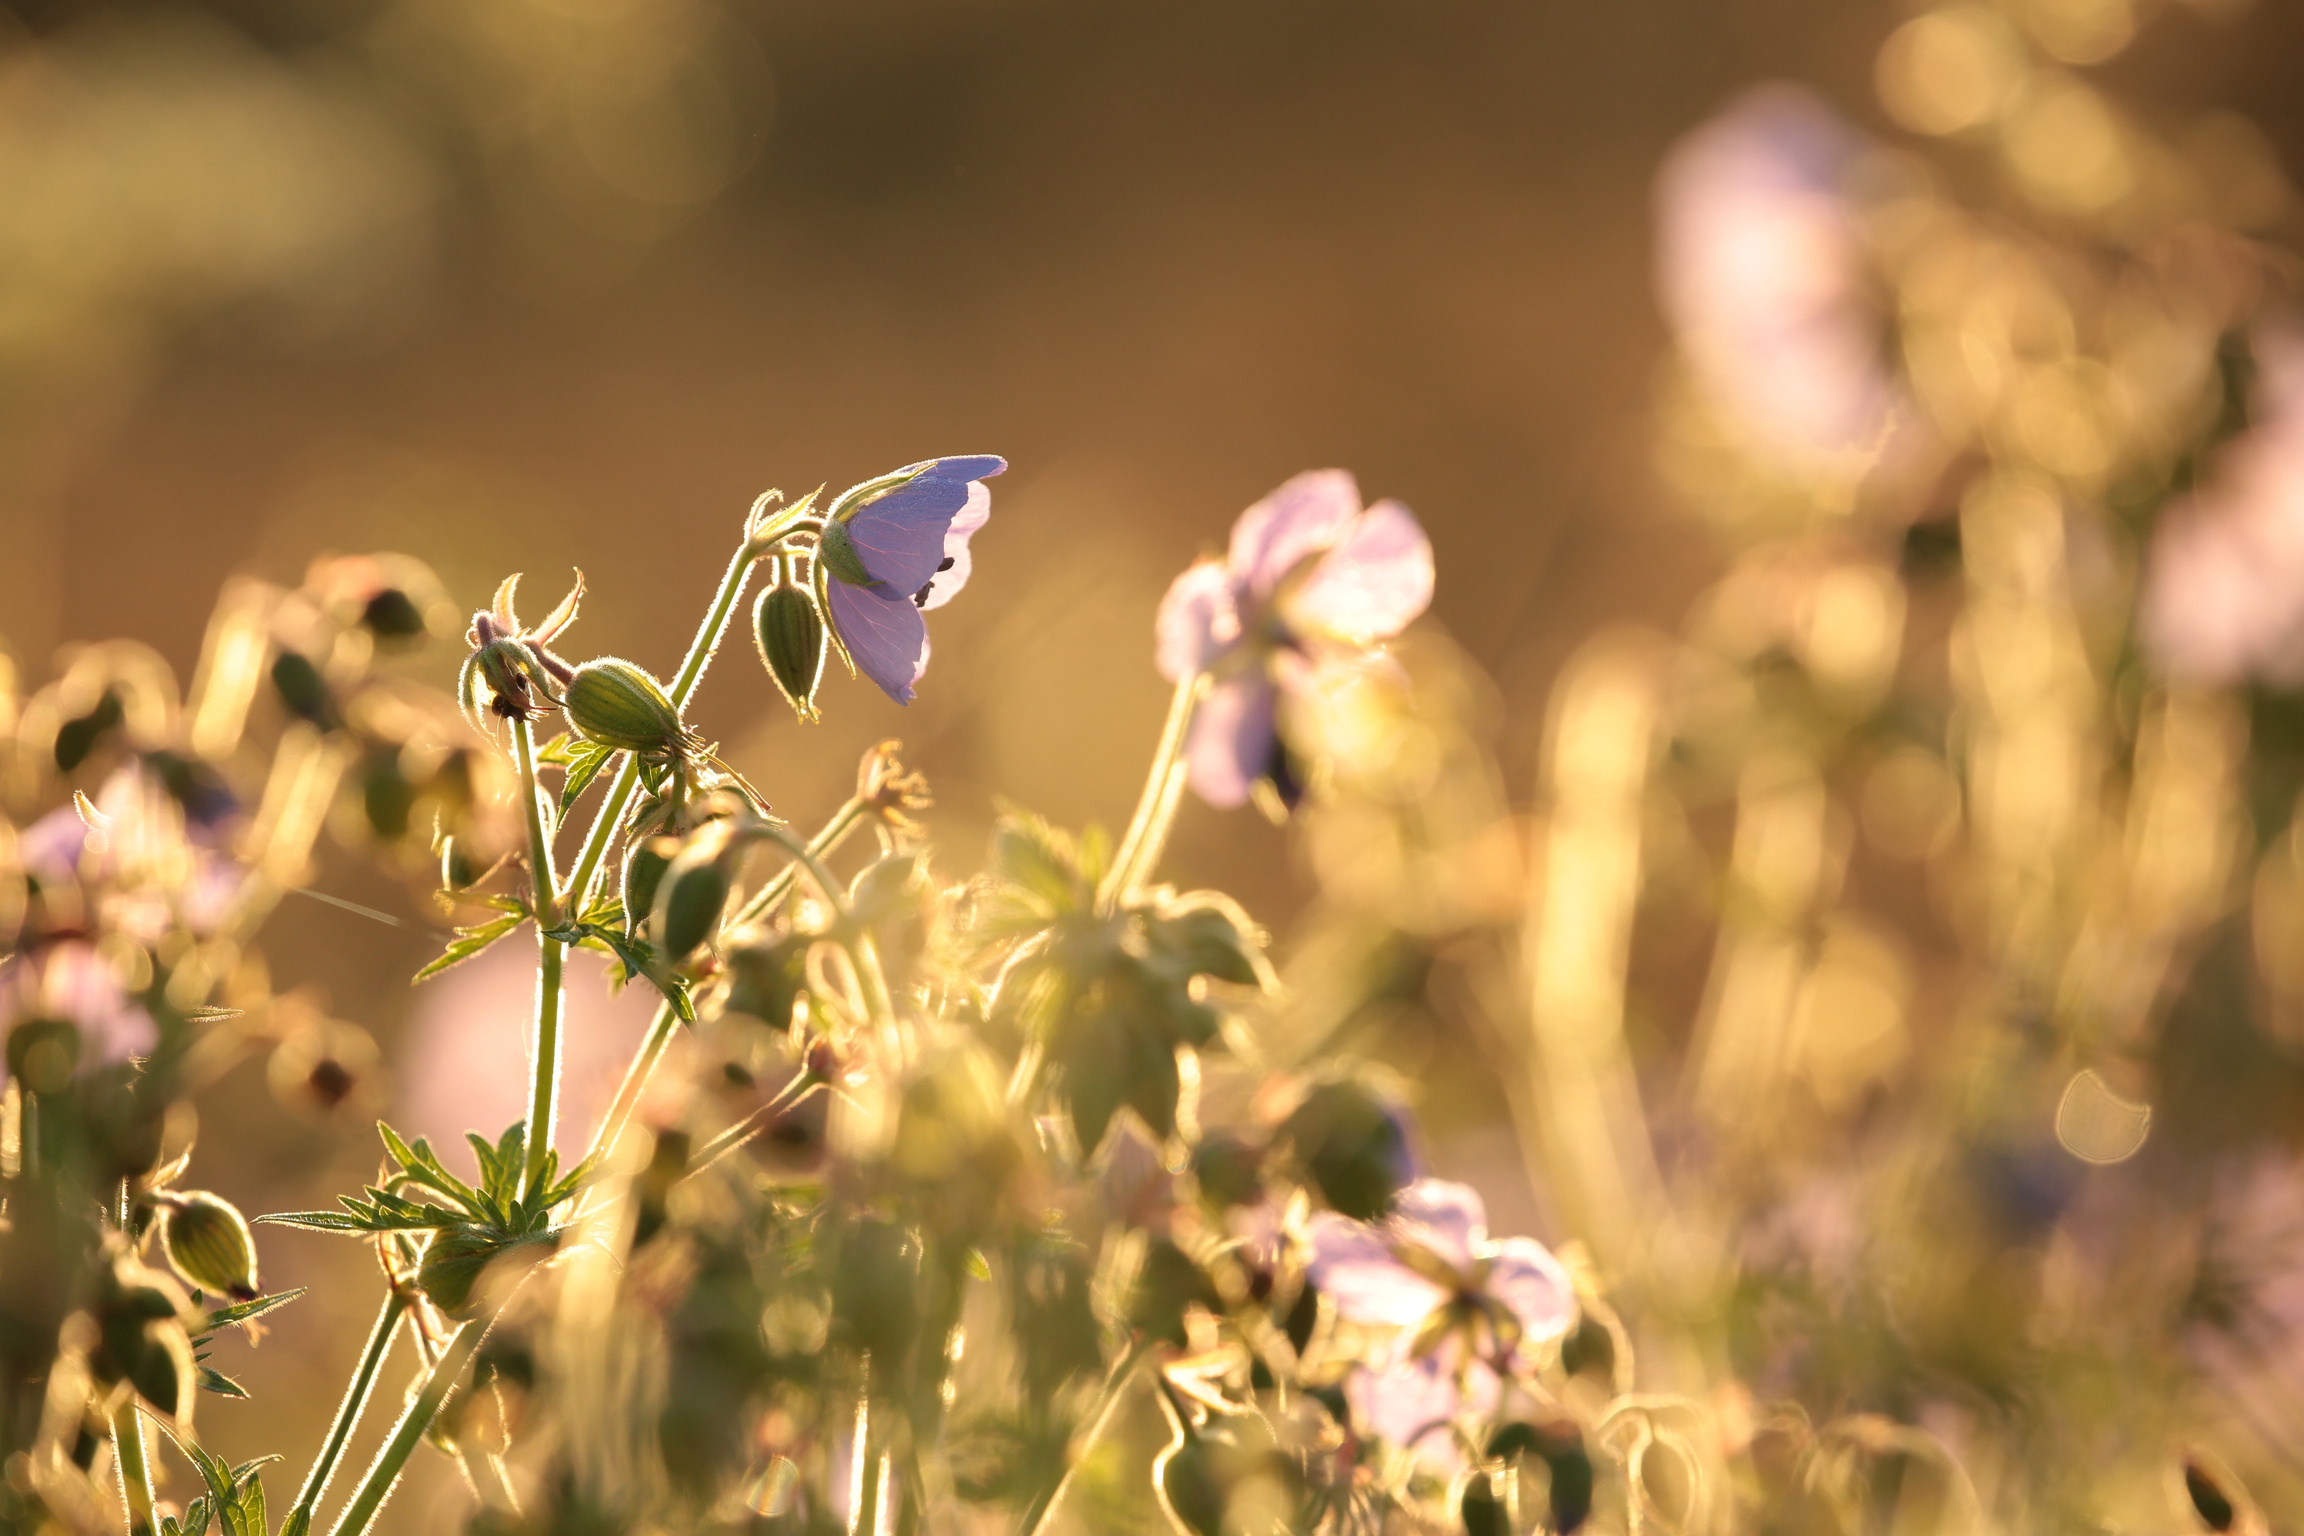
(70, 982)
(2224, 591)
(1311, 582)
(146, 862)
(893, 548)
(1462, 1305)
(1762, 275)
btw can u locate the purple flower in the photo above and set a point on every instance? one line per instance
(1461, 1306)
(1761, 268)
(145, 863)
(1310, 580)
(72, 983)
(2224, 591)
(894, 547)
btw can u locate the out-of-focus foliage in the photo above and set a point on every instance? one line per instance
(1891, 977)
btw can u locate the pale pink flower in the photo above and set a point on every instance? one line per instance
(1310, 581)
(71, 983)
(1460, 1303)
(2224, 589)
(1761, 271)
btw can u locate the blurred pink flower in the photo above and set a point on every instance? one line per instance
(1310, 579)
(2247, 1304)
(1431, 1272)
(71, 983)
(1762, 275)
(2224, 590)
(145, 865)
(465, 1065)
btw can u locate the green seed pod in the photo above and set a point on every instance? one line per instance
(644, 868)
(162, 1372)
(452, 1266)
(693, 893)
(617, 704)
(790, 633)
(208, 1242)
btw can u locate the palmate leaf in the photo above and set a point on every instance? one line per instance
(584, 764)
(417, 1160)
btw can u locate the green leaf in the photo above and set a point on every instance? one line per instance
(311, 1221)
(196, 1518)
(639, 959)
(469, 942)
(555, 1193)
(584, 765)
(1028, 852)
(560, 747)
(244, 1311)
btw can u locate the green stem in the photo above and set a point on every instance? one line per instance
(1147, 837)
(364, 1378)
(135, 1467)
(544, 1058)
(441, 1380)
(666, 1023)
(1115, 1386)
(544, 1038)
(803, 855)
(681, 689)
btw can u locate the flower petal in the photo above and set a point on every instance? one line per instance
(885, 635)
(1304, 516)
(1414, 1402)
(964, 525)
(1527, 1278)
(1446, 1220)
(1231, 741)
(1372, 583)
(1353, 1265)
(1198, 619)
(899, 534)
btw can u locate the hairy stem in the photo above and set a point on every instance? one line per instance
(1044, 1504)
(544, 1038)
(441, 1380)
(356, 1395)
(1147, 836)
(681, 689)
(131, 1448)
(667, 1022)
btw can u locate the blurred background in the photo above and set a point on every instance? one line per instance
(527, 285)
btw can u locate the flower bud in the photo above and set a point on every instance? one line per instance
(613, 702)
(644, 867)
(790, 633)
(692, 895)
(207, 1242)
(452, 1264)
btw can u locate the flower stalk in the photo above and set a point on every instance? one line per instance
(544, 1038)
(425, 1406)
(1147, 836)
(365, 1375)
(132, 1450)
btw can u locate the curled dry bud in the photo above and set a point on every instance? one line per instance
(790, 633)
(617, 704)
(208, 1243)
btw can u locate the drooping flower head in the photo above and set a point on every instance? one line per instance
(511, 662)
(1761, 269)
(892, 548)
(1461, 1305)
(1311, 581)
(2224, 590)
